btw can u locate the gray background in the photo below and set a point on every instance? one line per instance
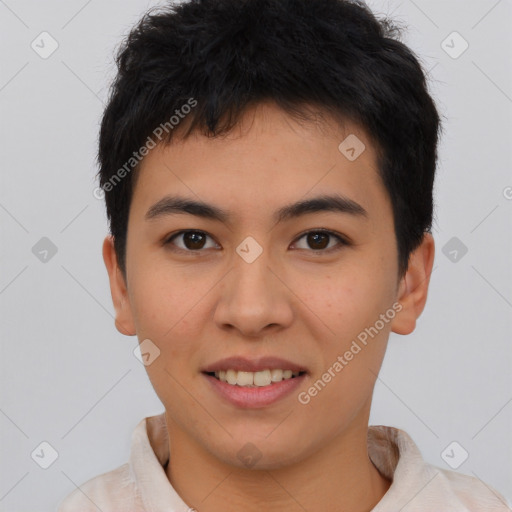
(70, 379)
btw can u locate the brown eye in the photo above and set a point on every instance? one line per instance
(190, 241)
(317, 240)
(194, 240)
(322, 241)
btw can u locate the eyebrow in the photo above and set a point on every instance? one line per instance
(172, 205)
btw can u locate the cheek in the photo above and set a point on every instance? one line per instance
(345, 301)
(349, 304)
(164, 307)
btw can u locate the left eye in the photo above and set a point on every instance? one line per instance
(194, 241)
(320, 240)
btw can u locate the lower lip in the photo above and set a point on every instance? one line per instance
(257, 396)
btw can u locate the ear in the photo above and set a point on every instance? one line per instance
(124, 318)
(413, 288)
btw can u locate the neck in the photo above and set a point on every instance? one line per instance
(339, 476)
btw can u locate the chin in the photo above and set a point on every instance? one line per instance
(260, 453)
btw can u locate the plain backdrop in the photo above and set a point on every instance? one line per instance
(69, 379)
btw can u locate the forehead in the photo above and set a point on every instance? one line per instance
(268, 158)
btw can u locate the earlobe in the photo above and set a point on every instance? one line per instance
(124, 318)
(413, 289)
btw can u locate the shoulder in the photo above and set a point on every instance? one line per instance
(112, 491)
(417, 485)
(473, 493)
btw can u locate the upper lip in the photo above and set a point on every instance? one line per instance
(253, 365)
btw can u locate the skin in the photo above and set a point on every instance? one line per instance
(294, 301)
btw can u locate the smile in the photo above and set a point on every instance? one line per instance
(254, 379)
(253, 396)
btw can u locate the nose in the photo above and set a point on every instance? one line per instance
(254, 298)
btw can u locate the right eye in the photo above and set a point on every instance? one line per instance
(191, 241)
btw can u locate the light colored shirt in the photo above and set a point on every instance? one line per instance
(141, 485)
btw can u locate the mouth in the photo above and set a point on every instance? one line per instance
(254, 383)
(262, 378)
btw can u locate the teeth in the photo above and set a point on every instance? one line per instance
(276, 375)
(245, 378)
(231, 377)
(254, 379)
(262, 378)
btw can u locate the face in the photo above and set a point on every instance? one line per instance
(252, 276)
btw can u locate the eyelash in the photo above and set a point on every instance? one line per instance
(343, 241)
